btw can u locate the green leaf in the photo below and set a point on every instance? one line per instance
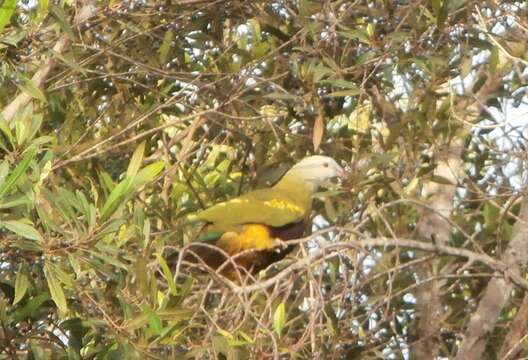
(111, 227)
(280, 96)
(355, 34)
(308, 8)
(168, 274)
(279, 318)
(21, 228)
(17, 173)
(480, 43)
(255, 30)
(16, 201)
(72, 64)
(28, 245)
(140, 320)
(15, 38)
(343, 93)
(107, 181)
(21, 286)
(491, 215)
(4, 169)
(23, 124)
(28, 86)
(331, 317)
(4, 128)
(165, 47)
(135, 161)
(146, 233)
(61, 19)
(142, 279)
(63, 277)
(442, 14)
(108, 259)
(56, 292)
(381, 160)
(6, 11)
(341, 83)
(42, 11)
(37, 351)
(30, 308)
(148, 173)
(441, 180)
(115, 198)
(494, 60)
(154, 320)
(436, 5)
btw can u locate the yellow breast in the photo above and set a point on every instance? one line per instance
(251, 236)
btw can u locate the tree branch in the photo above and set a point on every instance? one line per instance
(512, 343)
(433, 226)
(331, 249)
(497, 292)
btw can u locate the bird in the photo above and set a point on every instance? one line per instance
(257, 225)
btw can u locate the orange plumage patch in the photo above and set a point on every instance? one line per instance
(252, 236)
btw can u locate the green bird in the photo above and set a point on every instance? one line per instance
(255, 223)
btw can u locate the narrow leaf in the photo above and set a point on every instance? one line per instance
(280, 96)
(108, 259)
(142, 279)
(318, 131)
(4, 169)
(279, 318)
(42, 11)
(17, 173)
(494, 60)
(165, 47)
(6, 131)
(30, 307)
(72, 64)
(56, 292)
(21, 286)
(21, 228)
(343, 93)
(135, 161)
(61, 19)
(341, 83)
(115, 198)
(6, 11)
(154, 320)
(15, 38)
(168, 274)
(28, 86)
(355, 34)
(147, 174)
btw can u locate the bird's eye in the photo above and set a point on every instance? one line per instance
(325, 164)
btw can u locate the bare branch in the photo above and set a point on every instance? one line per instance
(512, 344)
(497, 293)
(332, 249)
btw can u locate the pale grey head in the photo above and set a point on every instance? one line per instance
(316, 170)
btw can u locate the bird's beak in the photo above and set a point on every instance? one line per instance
(343, 174)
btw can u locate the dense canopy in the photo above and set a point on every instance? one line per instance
(120, 119)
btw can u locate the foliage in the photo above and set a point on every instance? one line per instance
(150, 111)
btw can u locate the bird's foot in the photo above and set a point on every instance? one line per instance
(279, 243)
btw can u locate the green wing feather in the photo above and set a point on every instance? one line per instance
(266, 206)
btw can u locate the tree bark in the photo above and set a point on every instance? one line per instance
(434, 226)
(511, 347)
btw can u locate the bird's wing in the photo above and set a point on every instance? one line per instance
(266, 206)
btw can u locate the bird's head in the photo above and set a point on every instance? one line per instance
(317, 170)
